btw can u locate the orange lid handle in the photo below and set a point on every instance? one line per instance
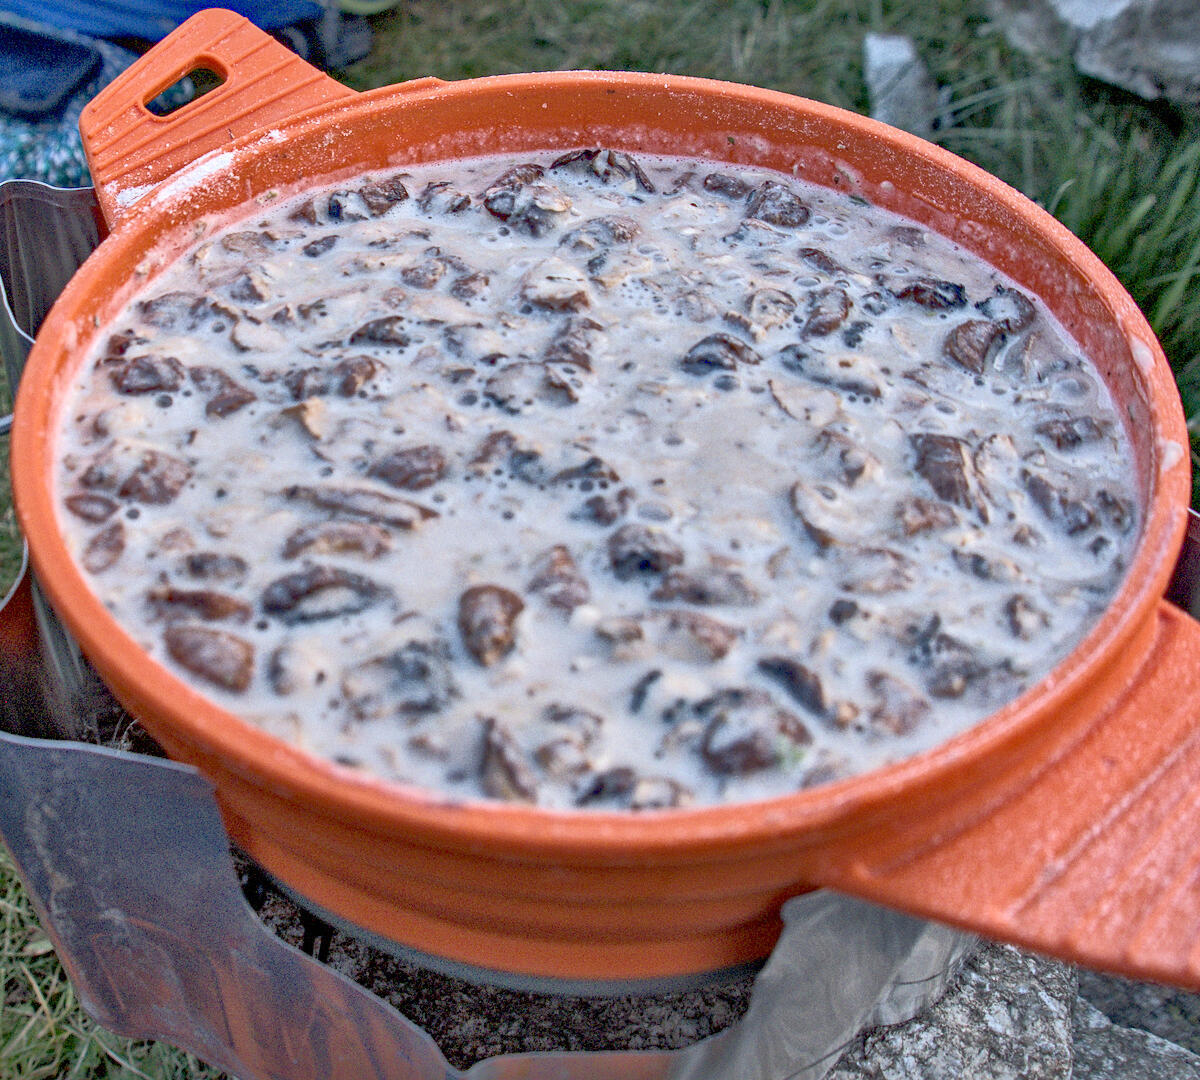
(130, 149)
(1096, 858)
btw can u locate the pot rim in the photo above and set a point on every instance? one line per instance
(341, 792)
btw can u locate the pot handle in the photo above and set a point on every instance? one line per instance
(130, 149)
(1096, 857)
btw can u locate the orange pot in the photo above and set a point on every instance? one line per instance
(1064, 822)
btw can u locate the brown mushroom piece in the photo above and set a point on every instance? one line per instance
(1058, 504)
(606, 509)
(214, 566)
(556, 285)
(390, 330)
(746, 731)
(410, 681)
(225, 394)
(1067, 433)
(732, 187)
(442, 197)
(932, 294)
(803, 685)
(946, 462)
(172, 602)
(693, 636)
(505, 772)
(321, 592)
(916, 515)
(624, 787)
(573, 344)
(91, 506)
(877, 571)
(104, 549)
(714, 586)
(827, 310)
(599, 233)
(412, 469)
(973, 344)
(775, 204)
(573, 732)
(217, 656)
(718, 352)
(606, 164)
(363, 502)
(523, 199)
(363, 538)
(558, 579)
(1011, 310)
(381, 195)
(516, 387)
(487, 616)
(899, 708)
(635, 550)
(950, 665)
(1025, 619)
(829, 518)
(156, 480)
(148, 374)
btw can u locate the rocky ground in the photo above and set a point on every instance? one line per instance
(1007, 1015)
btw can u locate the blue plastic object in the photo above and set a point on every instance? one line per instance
(150, 20)
(40, 67)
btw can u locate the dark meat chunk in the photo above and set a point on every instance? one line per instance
(776, 205)
(972, 344)
(363, 538)
(918, 515)
(441, 197)
(1009, 309)
(842, 610)
(379, 197)
(1059, 505)
(225, 394)
(364, 503)
(522, 199)
(600, 233)
(732, 187)
(642, 549)
(316, 248)
(827, 310)
(148, 374)
(217, 656)
(1069, 432)
(487, 616)
(747, 732)
(932, 294)
(1025, 619)
(105, 548)
(718, 352)
(321, 592)
(898, 708)
(173, 603)
(946, 463)
(606, 509)
(411, 469)
(713, 586)
(559, 580)
(388, 330)
(412, 680)
(606, 164)
(214, 566)
(803, 685)
(573, 344)
(505, 772)
(91, 506)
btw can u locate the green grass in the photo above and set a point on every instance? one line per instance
(44, 1034)
(1122, 174)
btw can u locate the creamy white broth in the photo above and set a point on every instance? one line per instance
(596, 483)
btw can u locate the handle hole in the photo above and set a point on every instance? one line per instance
(188, 88)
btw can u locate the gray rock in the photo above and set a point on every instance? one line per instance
(1008, 1017)
(901, 90)
(1151, 47)
(1169, 1013)
(1107, 1051)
